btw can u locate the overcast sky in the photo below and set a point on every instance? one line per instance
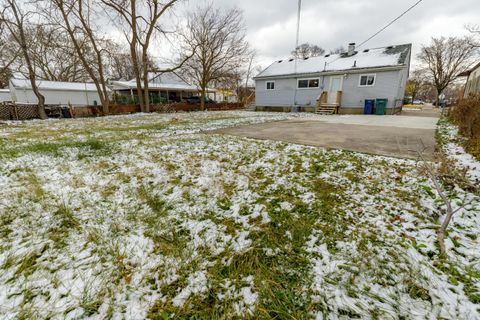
(271, 24)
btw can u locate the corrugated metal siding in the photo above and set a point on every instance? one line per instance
(56, 97)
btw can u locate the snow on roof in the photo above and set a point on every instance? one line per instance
(369, 58)
(53, 85)
(164, 81)
(5, 90)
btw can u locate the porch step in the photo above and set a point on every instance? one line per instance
(327, 108)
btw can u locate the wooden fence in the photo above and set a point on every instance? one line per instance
(11, 111)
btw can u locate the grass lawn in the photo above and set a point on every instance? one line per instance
(150, 216)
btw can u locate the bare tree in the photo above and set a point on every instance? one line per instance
(142, 21)
(16, 21)
(338, 50)
(445, 58)
(307, 50)
(54, 57)
(8, 54)
(75, 17)
(473, 28)
(417, 84)
(217, 40)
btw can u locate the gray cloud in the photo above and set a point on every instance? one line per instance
(331, 23)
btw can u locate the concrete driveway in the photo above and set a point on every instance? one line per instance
(397, 136)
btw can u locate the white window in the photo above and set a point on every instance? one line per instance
(308, 83)
(270, 85)
(367, 80)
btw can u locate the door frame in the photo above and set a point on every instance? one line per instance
(330, 88)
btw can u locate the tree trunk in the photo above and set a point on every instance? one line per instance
(41, 100)
(134, 55)
(146, 94)
(138, 81)
(202, 99)
(146, 97)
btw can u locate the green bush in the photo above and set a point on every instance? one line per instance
(466, 115)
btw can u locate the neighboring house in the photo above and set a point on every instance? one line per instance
(345, 80)
(55, 93)
(473, 81)
(5, 95)
(165, 87)
(224, 95)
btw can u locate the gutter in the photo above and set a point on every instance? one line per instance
(58, 89)
(327, 73)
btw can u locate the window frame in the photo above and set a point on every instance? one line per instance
(266, 85)
(308, 83)
(374, 75)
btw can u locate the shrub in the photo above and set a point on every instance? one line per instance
(466, 116)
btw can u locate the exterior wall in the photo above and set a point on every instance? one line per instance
(5, 95)
(388, 85)
(63, 97)
(473, 82)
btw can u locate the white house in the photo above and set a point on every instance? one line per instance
(165, 87)
(55, 93)
(343, 80)
(473, 81)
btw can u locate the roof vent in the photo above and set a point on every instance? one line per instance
(366, 50)
(390, 47)
(306, 58)
(355, 64)
(326, 56)
(280, 61)
(290, 60)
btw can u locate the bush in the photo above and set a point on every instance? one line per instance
(466, 115)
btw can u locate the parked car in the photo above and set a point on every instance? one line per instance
(418, 102)
(197, 99)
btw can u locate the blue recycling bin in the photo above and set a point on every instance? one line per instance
(369, 106)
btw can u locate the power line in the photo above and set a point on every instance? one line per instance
(390, 23)
(383, 29)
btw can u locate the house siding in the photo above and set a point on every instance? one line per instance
(62, 97)
(388, 85)
(473, 82)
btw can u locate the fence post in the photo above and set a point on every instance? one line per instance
(15, 111)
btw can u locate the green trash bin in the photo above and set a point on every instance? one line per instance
(381, 106)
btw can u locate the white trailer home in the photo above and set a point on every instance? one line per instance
(339, 82)
(55, 93)
(5, 95)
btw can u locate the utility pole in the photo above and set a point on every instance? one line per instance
(296, 46)
(298, 23)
